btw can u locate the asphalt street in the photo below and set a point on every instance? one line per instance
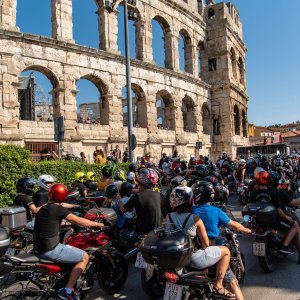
(283, 283)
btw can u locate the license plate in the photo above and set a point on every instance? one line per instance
(173, 291)
(259, 249)
(140, 262)
(10, 251)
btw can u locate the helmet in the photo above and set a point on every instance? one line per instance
(262, 178)
(212, 167)
(177, 170)
(132, 168)
(242, 162)
(58, 192)
(203, 191)
(201, 170)
(178, 180)
(274, 179)
(111, 191)
(225, 164)
(107, 170)
(120, 175)
(43, 180)
(147, 177)
(126, 189)
(79, 176)
(90, 176)
(181, 195)
(25, 185)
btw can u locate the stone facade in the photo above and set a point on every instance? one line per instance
(210, 107)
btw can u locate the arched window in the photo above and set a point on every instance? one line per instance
(244, 123)
(200, 48)
(241, 71)
(185, 52)
(211, 14)
(139, 108)
(41, 22)
(161, 41)
(233, 62)
(165, 111)
(188, 115)
(91, 103)
(206, 120)
(200, 6)
(84, 13)
(35, 94)
(133, 17)
(236, 114)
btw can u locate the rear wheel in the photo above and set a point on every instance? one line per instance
(153, 282)
(267, 263)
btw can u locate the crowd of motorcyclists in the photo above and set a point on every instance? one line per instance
(190, 194)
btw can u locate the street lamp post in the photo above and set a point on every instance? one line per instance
(128, 80)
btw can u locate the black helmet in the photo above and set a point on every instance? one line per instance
(178, 180)
(177, 170)
(25, 185)
(132, 168)
(212, 167)
(126, 189)
(203, 192)
(107, 170)
(111, 191)
(201, 170)
(274, 180)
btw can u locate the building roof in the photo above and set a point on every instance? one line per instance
(291, 133)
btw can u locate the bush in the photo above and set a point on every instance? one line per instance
(14, 164)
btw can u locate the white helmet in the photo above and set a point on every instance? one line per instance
(242, 162)
(43, 179)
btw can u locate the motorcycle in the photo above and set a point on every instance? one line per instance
(244, 191)
(41, 279)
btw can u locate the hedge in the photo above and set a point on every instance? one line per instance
(15, 163)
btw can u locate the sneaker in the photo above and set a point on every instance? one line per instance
(286, 250)
(62, 294)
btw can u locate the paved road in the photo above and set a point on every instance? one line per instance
(284, 283)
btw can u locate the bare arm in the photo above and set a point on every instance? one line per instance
(239, 227)
(294, 203)
(201, 232)
(83, 222)
(33, 208)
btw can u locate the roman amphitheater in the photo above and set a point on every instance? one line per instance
(205, 102)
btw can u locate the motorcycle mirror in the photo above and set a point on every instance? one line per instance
(246, 218)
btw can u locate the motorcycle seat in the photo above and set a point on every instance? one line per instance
(29, 258)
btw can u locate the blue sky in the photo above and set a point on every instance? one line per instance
(271, 32)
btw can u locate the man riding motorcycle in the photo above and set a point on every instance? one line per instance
(46, 234)
(40, 197)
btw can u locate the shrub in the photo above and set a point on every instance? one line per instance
(14, 164)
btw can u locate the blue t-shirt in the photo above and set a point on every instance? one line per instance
(212, 217)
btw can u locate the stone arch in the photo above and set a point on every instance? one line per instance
(167, 41)
(139, 106)
(211, 14)
(187, 51)
(244, 123)
(188, 114)
(236, 114)
(165, 110)
(99, 111)
(206, 119)
(233, 62)
(31, 108)
(241, 70)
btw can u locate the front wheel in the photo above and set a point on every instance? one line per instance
(153, 282)
(267, 263)
(113, 273)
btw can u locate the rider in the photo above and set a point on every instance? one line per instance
(46, 231)
(213, 218)
(146, 202)
(119, 177)
(40, 197)
(239, 174)
(25, 188)
(284, 222)
(181, 203)
(90, 181)
(107, 172)
(111, 193)
(130, 176)
(79, 179)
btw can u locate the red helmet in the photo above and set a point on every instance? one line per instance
(262, 178)
(58, 192)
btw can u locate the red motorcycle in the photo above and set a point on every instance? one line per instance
(36, 278)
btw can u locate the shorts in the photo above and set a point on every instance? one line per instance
(64, 254)
(283, 225)
(203, 259)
